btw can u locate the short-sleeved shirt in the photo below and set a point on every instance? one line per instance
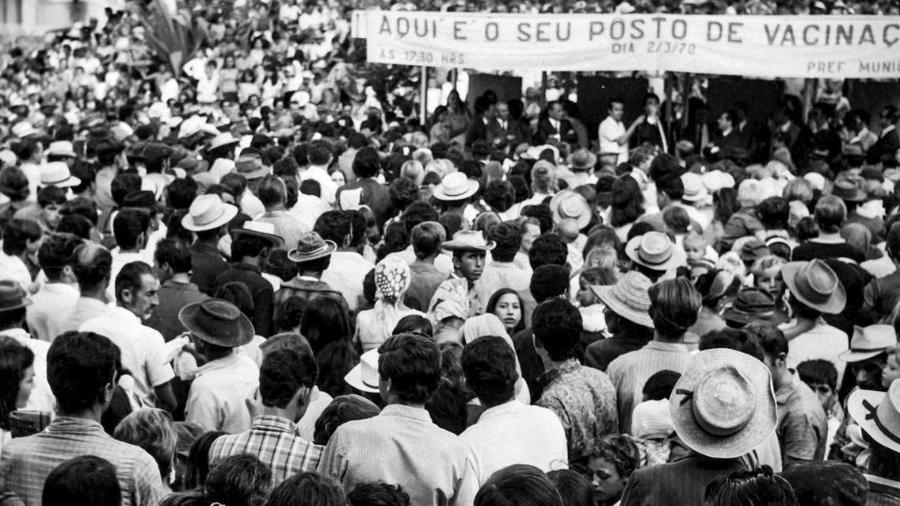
(741, 224)
(219, 395)
(802, 427)
(609, 131)
(143, 350)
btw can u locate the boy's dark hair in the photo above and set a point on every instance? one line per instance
(283, 372)
(79, 366)
(818, 371)
(660, 385)
(557, 328)
(547, 249)
(412, 363)
(489, 364)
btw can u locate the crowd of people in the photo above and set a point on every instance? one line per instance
(266, 280)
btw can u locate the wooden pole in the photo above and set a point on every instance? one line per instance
(423, 99)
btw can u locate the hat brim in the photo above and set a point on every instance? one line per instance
(297, 257)
(25, 303)
(835, 304)
(742, 318)
(229, 144)
(439, 194)
(695, 198)
(66, 183)
(760, 426)
(276, 240)
(354, 379)
(591, 162)
(188, 317)
(604, 293)
(858, 412)
(858, 196)
(256, 174)
(678, 258)
(464, 246)
(583, 219)
(858, 356)
(188, 221)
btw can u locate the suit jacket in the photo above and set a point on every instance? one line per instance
(516, 129)
(682, 482)
(479, 130)
(652, 134)
(545, 130)
(885, 145)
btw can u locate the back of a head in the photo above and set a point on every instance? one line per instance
(733, 339)
(574, 489)
(508, 238)
(547, 249)
(82, 481)
(343, 408)
(827, 483)
(750, 488)
(152, 430)
(81, 368)
(489, 364)
(272, 191)
(378, 494)
(128, 226)
(173, 253)
(239, 480)
(412, 362)
(674, 305)
(56, 252)
(366, 163)
(770, 338)
(308, 488)
(830, 213)
(283, 373)
(557, 328)
(518, 485)
(92, 265)
(549, 281)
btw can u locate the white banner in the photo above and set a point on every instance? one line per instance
(752, 46)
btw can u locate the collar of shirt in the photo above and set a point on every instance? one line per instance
(785, 391)
(275, 423)
(72, 425)
(226, 362)
(92, 303)
(564, 367)
(175, 285)
(59, 288)
(315, 171)
(247, 267)
(120, 313)
(501, 409)
(887, 129)
(666, 346)
(404, 411)
(19, 335)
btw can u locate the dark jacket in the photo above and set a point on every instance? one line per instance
(514, 128)
(207, 262)
(479, 130)
(262, 292)
(545, 130)
(682, 482)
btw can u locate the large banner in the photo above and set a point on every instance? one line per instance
(752, 46)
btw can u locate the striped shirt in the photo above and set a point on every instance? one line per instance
(276, 442)
(27, 461)
(629, 373)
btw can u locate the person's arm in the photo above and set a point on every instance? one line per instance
(468, 484)
(623, 139)
(799, 439)
(334, 461)
(165, 397)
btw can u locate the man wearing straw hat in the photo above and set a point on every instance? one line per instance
(722, 407)
(207, 217)
(878, 414)
(469, 250)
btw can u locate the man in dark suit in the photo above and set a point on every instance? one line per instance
(888, 141)
(366, 189)
(484, 126)
(511, 131)
(729, 138)
(555, 127)
(651, 130)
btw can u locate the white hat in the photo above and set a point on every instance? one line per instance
(869, 341)
(694, 189)
(455, 186)
(191, 126)
(878, 413)
(652, 420)
(223, 140)
(23, 129)
(61, 148)
(7, 158)
(816, 180)
(716, 180)
(208, 212)
(568, 204)
(301, 98)
(57, 174)
(364, 376)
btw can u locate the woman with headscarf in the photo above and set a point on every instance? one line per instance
(374, 326)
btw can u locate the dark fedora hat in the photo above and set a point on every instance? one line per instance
(12, 296)
(752, 305)
(847, 191)
(217, 322)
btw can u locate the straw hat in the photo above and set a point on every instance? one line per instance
(364, 376)
(628, 298)
(24, 129)
(455, 186)
(57, 174)
(12, 296)
(468, 240)
(723, 406)
(208, 212)
(217, 322)
(878, 413)
(61, 148)
(311, 246)
(816, 285)
(571, 205)
(261, 229)
(251, 167)
(656, 251)
(869, 342)
(222, 141)
(847, 191)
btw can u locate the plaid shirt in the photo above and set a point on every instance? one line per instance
(276, 442)
(27, 461)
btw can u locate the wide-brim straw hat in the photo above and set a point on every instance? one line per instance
(364, 375)
(222, 141)
(455, 186)
(869, 342)
(878, 413)
(568, 204)
(582, 159)
(217, 322)
(816, 285)
(208, 212)
(628, 298)
(723, 406)
(310, 247)
(468, 240)
(655, 251)
(58, 174)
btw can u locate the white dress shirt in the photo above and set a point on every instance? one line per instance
(345, 274)
(143, 349)
(609, 131)
(320, 175)
(48, 309)
(221, 393)
(13, 268)
(308, 209)
(443, 263)
(513, 433)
